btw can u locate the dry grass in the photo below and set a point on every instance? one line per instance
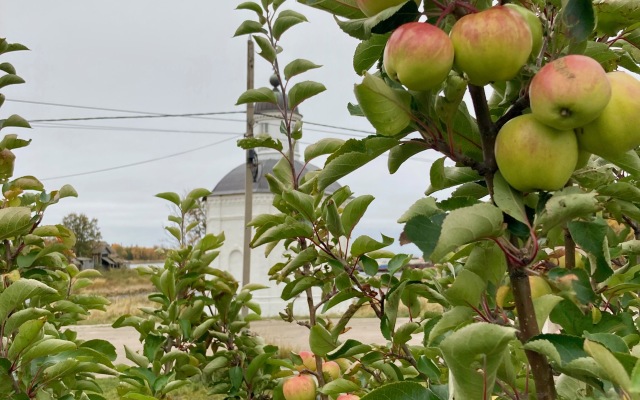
(126, 290)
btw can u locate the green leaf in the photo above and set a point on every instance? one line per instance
(351, 156)
(338, 386)
(466, 225)
(621, 190)
(467, 289)
(14, 221)
(250, 5)
(170, 196)
(320, 341)
(47, 347)
(285, 20)
(591, 236)
(261, 95)
(67, 191)
(340, 8)
(298, 66)
(322, 147)
(399, 154)
(353, 212)
(298, 286)
(579, 19)
(368, 53)
(268, 52)
(365, 244)
(349, 348)
(488, 262)
(509, 200)
(473, 355)
(291, 228)
(302, 91)
(22, 316)
(302, 202)
(18, 292)
(401, 391)
(425, 206)
(29, 333)
(612, 368)
(8, 68)
(385, 21)
(14, 121)
(60, 369)
(388, 110)
(248, 27)
(424, 232)
(560, 349)
(10, 79)
(543, 306)
(614, 15)
(563, 207)
(629, 162)
(307, 255)
(442, 177)
(403, 334)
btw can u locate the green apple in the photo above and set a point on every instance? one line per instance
(569, 92)
(533, 156)
(418, 55)
(308, 360)
(617, 128)
(373, 7)
(331, 370)
(492, 45)
(300, 387)
(535, 26)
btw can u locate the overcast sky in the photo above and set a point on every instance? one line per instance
(174, 57)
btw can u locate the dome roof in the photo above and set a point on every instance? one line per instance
(234, 181)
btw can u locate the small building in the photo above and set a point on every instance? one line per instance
(103, 256)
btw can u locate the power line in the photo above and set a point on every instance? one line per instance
(140, 162)
(126, 129)
(163, 115)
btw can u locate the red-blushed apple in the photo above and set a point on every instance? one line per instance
(347, 396)
(373, 7)
(492, 45)
(418, 55)
(308, 360)
(533, 156)
(617, 128)
(535, 26)
(331, 370)
(300, 387)
(569, 92)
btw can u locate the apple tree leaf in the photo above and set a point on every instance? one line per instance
(285, 20)
(592, 237)
(473, 355)
(297, 67)
(388, 110)
(340, 8)
(442, 177)
(368, 52)
(509, 200)
(466, 225)
(261, 95)
(385, 21)
(302, 91)
(579, 19)
(565, 206)
(399, 154)
(322, 147)
(351, 156)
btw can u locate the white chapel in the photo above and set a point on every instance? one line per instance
(225, 212)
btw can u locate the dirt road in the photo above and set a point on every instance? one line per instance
(277, 332)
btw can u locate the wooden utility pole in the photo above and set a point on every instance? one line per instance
(248, 187)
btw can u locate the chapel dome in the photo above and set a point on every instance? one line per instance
(234, 181)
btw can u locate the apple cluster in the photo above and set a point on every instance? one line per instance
(304, 386)
(576, 109)
(420, 55)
